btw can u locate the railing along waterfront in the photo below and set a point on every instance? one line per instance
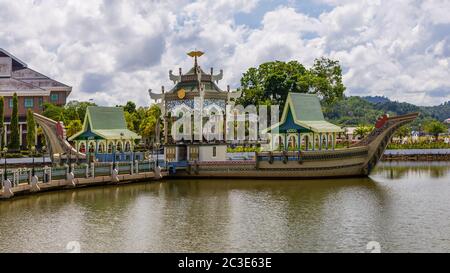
(23, 176)
(417, 155)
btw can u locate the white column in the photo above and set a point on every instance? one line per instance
(35, 136)
(320, 141)
(4, 136)
(20, 134)
(313, 142)
(334, 141)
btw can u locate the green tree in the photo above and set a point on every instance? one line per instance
(73, 127)
(270, 83)
(403, 131)
(75, 110)
(132, 121)
(2, 120)
(363, 130)
(148, 123)
(130, 107)
(31, 129)
(326, 80)
(41, 137)
(53, 112)
(14, 142)
(435, 128)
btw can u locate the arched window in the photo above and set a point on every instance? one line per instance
(316, 142)
(306, 142)
(292, 142)
(91, 147)
(127, 147)
(119, 146)
(82, 148)
(101, 147)
(110, 148)
(324, 142)
(280, 143)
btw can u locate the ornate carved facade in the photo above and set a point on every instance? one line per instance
(193, 91)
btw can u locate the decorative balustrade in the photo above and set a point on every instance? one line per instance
(47, 174)
(311, 155)
(391, 124)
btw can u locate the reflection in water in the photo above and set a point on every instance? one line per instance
(397, 170)
(397, 206)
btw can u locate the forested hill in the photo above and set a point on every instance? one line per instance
(365, 110)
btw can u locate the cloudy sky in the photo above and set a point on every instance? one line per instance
(112, 51)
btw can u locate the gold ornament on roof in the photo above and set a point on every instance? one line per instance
(181, 94)
(195, 54)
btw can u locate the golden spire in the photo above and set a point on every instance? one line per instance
(195, 54)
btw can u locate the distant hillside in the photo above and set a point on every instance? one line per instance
(352, 111)
(440, 112)
(376, 99)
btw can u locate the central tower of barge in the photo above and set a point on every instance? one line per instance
(196, 93)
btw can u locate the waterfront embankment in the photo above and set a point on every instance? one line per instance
(417, 155)
(27, 181)
(24, 189)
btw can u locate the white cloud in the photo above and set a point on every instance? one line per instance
(113, 51)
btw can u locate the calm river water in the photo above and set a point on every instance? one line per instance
(403, 206)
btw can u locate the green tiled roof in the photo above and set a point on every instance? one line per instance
(106, 118)
(306, 107)
(106, 122)
(118, 133)
(306, 112)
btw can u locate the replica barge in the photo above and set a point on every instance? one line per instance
(305, 141)
(357, 160)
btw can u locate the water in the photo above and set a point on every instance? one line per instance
(403, 206)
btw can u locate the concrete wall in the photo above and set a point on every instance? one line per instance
(206, 153)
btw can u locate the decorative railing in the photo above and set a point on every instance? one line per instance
(47, 174)
(388, 125)
(312, 155)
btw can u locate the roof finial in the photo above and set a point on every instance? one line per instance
(195, 54)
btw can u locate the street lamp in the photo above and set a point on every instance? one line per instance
(88, 154)
(43, 154)
(69, 160)
(152, 151)
(114, 155)
(1, 135)
(33, 151)
(132, 149)
(122, 148)
(157, 153)
(5, 150)
(157, 138)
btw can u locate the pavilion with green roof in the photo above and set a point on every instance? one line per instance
(303, 126)
(104, 132)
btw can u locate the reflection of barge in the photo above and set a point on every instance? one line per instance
(358, 160)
